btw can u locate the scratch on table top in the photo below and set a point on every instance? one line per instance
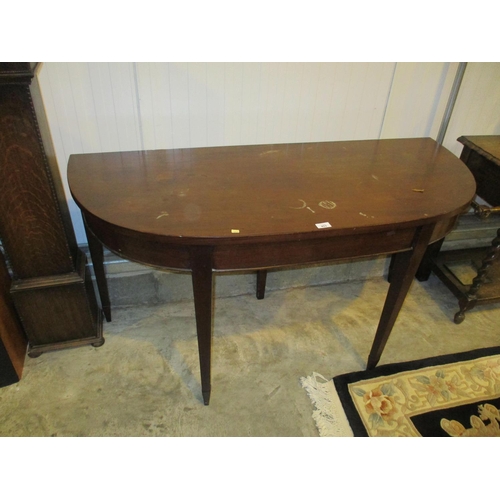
(304, 204)
(364, 215)
(329, 205)
(162, 214)
(269, 152)
(375, 177)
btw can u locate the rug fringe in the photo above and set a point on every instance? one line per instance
(329, 415)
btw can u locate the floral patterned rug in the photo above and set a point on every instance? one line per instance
(455, 395)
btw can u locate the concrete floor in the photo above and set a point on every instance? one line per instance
(144, 381)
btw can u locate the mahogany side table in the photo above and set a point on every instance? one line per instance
(260, 207)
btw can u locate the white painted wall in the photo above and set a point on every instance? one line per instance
(418, 98)
(477, 110)
(94, 107)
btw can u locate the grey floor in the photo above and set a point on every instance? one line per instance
(144, 381)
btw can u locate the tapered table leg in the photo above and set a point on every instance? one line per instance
(97, 255)
(403, 271)
(202, 277)
(425, 268)
(261, 283)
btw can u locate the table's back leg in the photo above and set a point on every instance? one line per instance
(425, 268)
(202, 277)
(261, 283)
(97, 255)
(405, 265)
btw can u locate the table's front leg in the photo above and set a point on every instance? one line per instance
(403, 271)
(202, 277)
(97, 256)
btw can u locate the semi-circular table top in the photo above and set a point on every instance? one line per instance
(222, 195)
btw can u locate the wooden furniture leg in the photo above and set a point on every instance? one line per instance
(261, 283)
(425, 268)
(391, 267)
(403, 271)
(202, 278)
(97, 254)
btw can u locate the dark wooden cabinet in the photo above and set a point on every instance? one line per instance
(51, 287)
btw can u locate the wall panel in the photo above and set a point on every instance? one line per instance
(103, 105)
(477, 108)
(215, 78)
(418, 99)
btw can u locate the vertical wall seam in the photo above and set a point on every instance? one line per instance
(151, 95)
(438, 96)
(206, 104)
(313, 110)
(361, 99)
(114, 105)
(188, 74)
(138, 104)
(387, 100)
(342, 121)
(170, 105)
(73, 102)
(55, 110)
(95, 107)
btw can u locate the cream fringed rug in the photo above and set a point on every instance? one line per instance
(328, 414)
(454, 395)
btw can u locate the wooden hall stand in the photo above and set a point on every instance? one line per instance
(218, 209)
(482, 155)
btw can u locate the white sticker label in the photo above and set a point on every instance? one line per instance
(322, 225)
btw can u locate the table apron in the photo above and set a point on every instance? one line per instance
(137, 247)
(151, 251)
(271, 255)
(289, 253)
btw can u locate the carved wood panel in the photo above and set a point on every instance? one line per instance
(31, 227)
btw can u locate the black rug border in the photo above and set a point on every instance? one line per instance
(341, 381)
